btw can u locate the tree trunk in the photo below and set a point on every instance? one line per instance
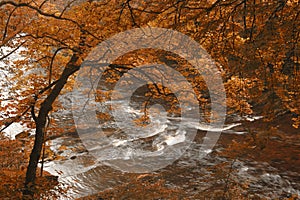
(33, 162)
(40, 122)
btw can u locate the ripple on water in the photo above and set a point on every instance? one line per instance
(87, 175)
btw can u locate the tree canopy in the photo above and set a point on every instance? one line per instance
(255, 44)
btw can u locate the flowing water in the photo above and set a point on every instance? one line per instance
(88, 173)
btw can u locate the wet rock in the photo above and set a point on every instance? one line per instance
(73, 157)
(51, 178)
(23, 135)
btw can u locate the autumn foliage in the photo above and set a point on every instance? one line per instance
(255, 44)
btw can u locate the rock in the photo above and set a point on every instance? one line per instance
(23, 135)
(51, 178)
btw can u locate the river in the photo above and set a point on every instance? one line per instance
(256, 176)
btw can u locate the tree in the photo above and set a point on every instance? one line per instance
(256, 43)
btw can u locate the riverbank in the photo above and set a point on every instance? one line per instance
(14, 156)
